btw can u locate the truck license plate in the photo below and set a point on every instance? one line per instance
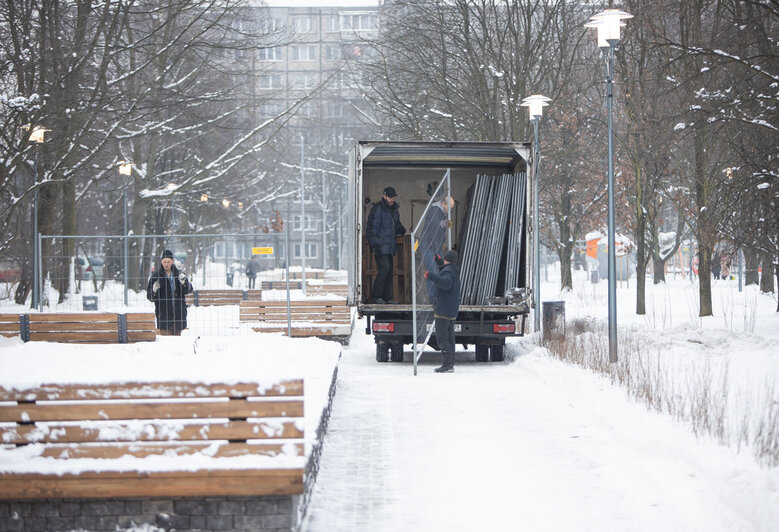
(457, 327)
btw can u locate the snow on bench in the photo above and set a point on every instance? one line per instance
(151, 440)
(311, 317)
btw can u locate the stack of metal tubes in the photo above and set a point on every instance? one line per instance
(491, 240)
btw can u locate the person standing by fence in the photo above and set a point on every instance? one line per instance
(446, 307)
(251, 270)
(167, 289)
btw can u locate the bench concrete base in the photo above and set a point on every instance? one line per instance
(272, 513)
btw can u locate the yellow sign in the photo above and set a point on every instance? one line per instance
(262, 251)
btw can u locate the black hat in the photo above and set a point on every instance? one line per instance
(390, 192)
(167, 254)
(451, 256)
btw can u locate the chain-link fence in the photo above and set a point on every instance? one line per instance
(112, 273)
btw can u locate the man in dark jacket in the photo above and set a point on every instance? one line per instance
(446, 307)
(251, 270)
(381, 229)
(166, 288)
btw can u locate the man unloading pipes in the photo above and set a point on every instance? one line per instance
(446, 306)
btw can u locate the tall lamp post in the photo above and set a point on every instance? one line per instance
(608, 24)
(535, 105)
(125, 169)
(37, 135)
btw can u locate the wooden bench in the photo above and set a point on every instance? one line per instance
(322, 289)
(281, 285)
(315, 274)
(121, 424)
(204, 298)
(86, 327)
(9, 325)
(325, 318)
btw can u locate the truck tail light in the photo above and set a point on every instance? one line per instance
(503, 328)
(383, 327)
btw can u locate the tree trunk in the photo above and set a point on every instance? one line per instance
(767, 279)
(704, 279)
(566, 278)
(68, 244)
(641, 255)
(751, 262)
(658, 265)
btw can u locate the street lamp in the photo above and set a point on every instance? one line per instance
(535, 105)
(608, 24)
(37, 135)
(125, 169)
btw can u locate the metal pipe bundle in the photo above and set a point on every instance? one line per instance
(493, 234)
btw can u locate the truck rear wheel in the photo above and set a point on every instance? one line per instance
(396, 352)
(496, 353)
(482, 353)
(382, 352)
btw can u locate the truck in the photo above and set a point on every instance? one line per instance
(417, 170)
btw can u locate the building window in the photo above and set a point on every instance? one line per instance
(269, 109)
(273, 24)
(359, 21)
(302, 25)
(269, 81)
(312, 251)
(332, 24)
(334, 109)
(304, 80)
(333, 52)
(312, 224)
(304, 53)
(269, 54)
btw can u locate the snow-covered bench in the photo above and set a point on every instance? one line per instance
(311, 317)
(82, 327)
(161, 439)
(203, 298)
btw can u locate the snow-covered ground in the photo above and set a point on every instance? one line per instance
(532, 443)
(539, 445)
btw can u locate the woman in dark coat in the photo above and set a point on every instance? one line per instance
(166, 288)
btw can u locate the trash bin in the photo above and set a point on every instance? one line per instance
(89, 303)
(553, 318)
(230, 279)
(594, 277)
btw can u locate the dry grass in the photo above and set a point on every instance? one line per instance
(695, 394)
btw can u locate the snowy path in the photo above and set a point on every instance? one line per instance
(529, 445)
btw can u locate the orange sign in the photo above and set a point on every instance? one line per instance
(592, 248)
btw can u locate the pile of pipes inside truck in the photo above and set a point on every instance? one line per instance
(490, 247)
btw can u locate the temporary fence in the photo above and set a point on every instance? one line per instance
(492, 237)
(112, 272)
(432, 236)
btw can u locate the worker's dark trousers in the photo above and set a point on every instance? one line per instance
(382, 286)
(444, 333)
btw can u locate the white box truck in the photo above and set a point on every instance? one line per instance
(414, 170)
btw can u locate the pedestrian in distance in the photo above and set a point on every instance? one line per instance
(252, 268)
(446, 307)
(167, 289)
(381, 229)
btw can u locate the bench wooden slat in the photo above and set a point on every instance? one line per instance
(149, 431)
(97, 411)
(243, 482)
(10, 327)
(150, 390)
(78, 337)
(297, 332)
(142, 450)
(141, 336)
(9, 317)
(77, 317)
(80, 325)
(140, 317)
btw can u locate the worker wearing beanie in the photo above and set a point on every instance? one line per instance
(446, 307)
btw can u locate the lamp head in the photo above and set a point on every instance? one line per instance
(125, 168)
(535, 105)
(38, 133)
(608, 24)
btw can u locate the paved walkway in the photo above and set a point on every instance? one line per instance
(528, 445)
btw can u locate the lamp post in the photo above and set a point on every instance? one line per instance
(608, 24)
(125, 169)
(535, 105)
(37, 135)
